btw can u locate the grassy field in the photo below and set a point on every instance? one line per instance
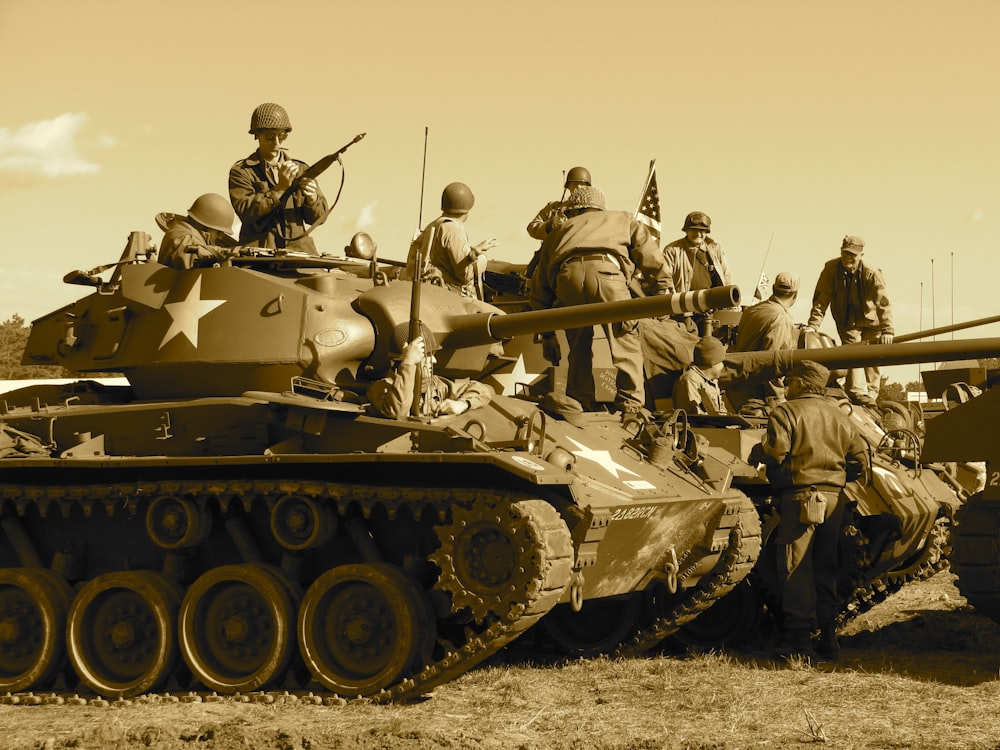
(921, 670)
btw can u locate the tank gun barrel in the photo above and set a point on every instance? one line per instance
(861, 355)
(474, 329)
(945, 329)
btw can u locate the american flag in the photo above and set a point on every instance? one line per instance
(648, 212)
(762, 291)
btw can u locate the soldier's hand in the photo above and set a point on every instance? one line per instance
(287, 172)
(453, 406)
(413, 351)
(551, 350)
(885, 338)
(310, 189)
(485, 246)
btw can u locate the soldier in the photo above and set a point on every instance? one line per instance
(810, 451)
(589, 258)
(855, 294)
(451, 258)
(766, 326)
(697, 390)
(258, 185)
(201, 238)
(696, 261)
(393, 395)
(552, 215)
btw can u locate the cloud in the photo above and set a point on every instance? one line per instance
(366, 217)
(977, 215)
(46, 147)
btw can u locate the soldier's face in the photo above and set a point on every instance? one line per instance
(850, 260)
(269, 142)
(696, 236)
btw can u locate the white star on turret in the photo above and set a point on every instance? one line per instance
(508, 380)
(186, 314)
(600, 457)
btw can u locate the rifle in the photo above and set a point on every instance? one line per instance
(420, 387)
(315, 170)
(529, 270)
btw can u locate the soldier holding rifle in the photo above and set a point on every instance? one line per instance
(265, 188)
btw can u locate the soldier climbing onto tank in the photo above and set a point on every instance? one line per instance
(273, 203)
(810, 451)
(855, 294)
(589, 258)
(393, 396)
(201, 238)
(452, 258)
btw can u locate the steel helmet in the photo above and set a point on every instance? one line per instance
(213, 211)
(457, 198)
(362, 246)
(577, 174)
(270, 116)
(698, 220)
(401, 335)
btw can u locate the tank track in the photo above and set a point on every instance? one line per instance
(498, 621)
(932, 560)
(976, 559)
(742, 524)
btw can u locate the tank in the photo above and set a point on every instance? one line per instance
(964, 433)
(899, 525)
(237, 518)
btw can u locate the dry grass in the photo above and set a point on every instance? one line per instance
(920, 671)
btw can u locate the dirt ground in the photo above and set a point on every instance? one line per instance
(925, 633)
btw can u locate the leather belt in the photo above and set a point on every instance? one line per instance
(597, 255)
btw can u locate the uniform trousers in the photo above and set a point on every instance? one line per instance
(591, 278)
(807, 559)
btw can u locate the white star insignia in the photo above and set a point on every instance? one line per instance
(600, 457)
(186, 314)
(508, 380)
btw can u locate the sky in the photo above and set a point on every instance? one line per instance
(791, 123)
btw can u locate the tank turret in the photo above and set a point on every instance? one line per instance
(258, 321)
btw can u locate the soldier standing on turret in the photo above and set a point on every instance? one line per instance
(258, 183)
(589, 258)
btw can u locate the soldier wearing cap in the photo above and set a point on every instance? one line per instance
(393, 395)
(697, 390)
(855, 294)
(810, 451)
(589, 258)
(258, 183)
(696, 261)
(766, 326)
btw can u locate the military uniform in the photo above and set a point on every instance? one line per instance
(862, 312)
(255, 196)
(179, 239)
(811, 448)
(766, 326)
(697, 393)
(451, 258)
(589, 258)
(392, 396)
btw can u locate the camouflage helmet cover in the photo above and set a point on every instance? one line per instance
(587, 196)
(270, 116)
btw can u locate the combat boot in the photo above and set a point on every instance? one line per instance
(828, 648)
(798, 644)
